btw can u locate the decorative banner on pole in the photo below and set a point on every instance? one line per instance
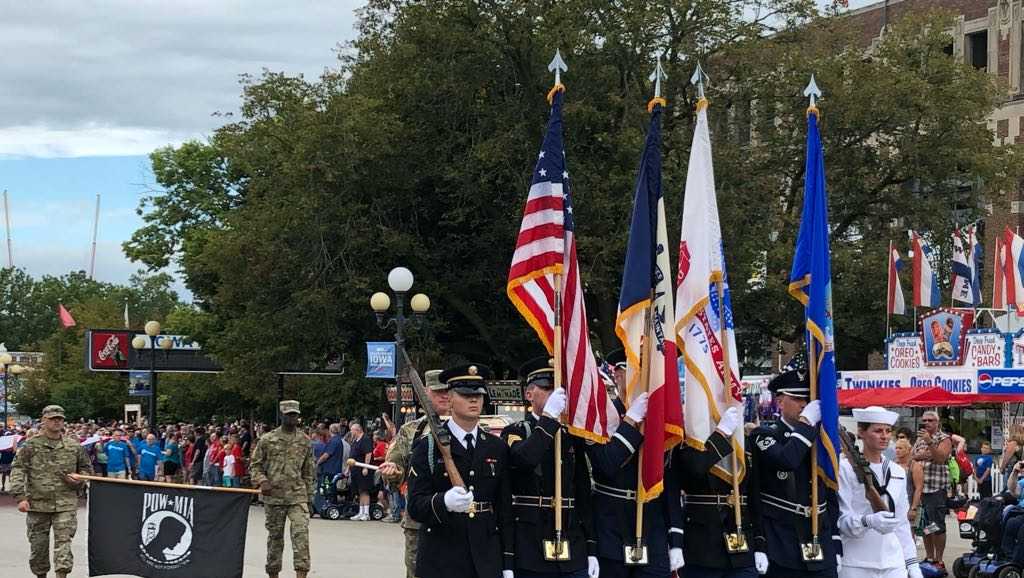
(162, 531)
(945, 333)
(139, 384)
(380, 359)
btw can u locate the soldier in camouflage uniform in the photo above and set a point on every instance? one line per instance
(45, 483)
(396, 462)
(282, 468)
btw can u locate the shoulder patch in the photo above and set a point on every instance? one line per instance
(765, 442)
(513, 438)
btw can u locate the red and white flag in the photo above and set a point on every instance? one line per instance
(65, 316)
(700, 313)
(999, 276)
(546, 249)
(896, 303)
(1013, 270)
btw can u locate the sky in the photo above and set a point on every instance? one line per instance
(88, 89)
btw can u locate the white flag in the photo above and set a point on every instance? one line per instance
(126, 324)
(699, 311)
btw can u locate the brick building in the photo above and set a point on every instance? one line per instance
(989, 35)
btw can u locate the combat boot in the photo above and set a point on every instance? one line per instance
(271, 575)
(300, 574)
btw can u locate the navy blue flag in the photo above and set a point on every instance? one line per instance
(810, 283)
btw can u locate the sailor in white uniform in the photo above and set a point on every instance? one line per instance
(875, 544)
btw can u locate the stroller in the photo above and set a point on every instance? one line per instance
(333, 499)
(983, 524)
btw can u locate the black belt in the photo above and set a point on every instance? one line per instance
(712, 500)
(542, 502)
(612, 491)
(791, 507)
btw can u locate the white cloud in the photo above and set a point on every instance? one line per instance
(125, 76)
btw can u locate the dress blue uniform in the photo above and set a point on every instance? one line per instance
(532, 457)
(709, 513)
(614, 466)
(782, 460)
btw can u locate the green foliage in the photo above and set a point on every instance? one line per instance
(417, 152)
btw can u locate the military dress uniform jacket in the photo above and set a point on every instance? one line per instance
(615, 476)
(532, 452)
(286, 460)
(455, 544)
(707, 517)
(782, 461)
(38, 473)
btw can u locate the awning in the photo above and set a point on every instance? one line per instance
(901, 397)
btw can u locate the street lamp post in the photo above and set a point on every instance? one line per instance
(400, 280)
(152, 329)
(7, 361)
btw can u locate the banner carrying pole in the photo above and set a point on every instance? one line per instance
(166, 485)
(888, 292)
(734, 542)
(557, 550)
(638, 553)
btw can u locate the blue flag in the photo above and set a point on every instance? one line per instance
(810, 283)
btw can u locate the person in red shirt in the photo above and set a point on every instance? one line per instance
(215, 457)
(236, 450)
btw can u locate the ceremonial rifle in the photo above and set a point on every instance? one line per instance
(438, 431)
(862, 469)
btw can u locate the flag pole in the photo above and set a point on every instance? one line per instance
(734, 542)
(812, 551)
(557, 549)
(638, 553)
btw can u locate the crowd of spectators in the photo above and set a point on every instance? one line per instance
(217, 454)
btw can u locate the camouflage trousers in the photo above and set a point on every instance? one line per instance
(410, 551)
(64, 525)
(298, 516)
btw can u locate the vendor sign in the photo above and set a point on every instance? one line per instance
(944, 332)
(985, 348)
(958, 381)
(905, 351)
(1017, 349)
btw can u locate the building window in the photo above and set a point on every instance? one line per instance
(976, 49)
(1016, 207)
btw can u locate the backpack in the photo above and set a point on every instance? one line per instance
(954, 471)
(989, 516)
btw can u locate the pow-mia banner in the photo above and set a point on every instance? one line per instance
(162, 532)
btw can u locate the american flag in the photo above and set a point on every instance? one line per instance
(546, 247)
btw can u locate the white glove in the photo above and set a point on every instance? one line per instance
(507, 574)
(593, 568)
(555, 404)
(881, 522)
(638, 409)
(914, 571)
(458, 499)
(839, 563)
(761, 562)
(812, 413)
(675, 559)
(731, 419)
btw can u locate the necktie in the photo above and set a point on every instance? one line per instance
(469, 444)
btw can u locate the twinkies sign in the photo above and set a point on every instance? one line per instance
(1001, 381)
(951, 380)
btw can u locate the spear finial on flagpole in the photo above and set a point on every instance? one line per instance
(557, 66)
(813, 92)
(698, 79)
(657, 76)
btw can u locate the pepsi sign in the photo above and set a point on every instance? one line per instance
(1001, 381)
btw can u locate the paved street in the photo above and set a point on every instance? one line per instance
(339, 549)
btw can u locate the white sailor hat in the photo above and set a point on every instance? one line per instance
(875, 414)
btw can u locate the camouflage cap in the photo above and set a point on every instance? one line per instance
(53, 411)
(290, 406)
(433, 380)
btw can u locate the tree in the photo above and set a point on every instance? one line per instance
(418, 151)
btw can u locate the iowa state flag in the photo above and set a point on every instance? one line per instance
(645, 317)
(700, 314)
(810, 282)
(160, 532)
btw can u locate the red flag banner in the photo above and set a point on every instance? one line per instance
(65, 317)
